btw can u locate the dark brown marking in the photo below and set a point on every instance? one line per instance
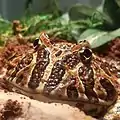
(55, 77)
(23, 63)
(111, 92)
(71, 60)
(58, 53)
(72, 91)
(87, 77)
(100, 92)
(19, 79)
(41, 64)
(36, 43)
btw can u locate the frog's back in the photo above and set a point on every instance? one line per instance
(65, 71)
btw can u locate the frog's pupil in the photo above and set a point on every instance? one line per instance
(36, 42)
(87, 53)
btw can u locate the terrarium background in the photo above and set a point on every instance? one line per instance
(14, 9)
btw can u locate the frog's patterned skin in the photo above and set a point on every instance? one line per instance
(65, 71)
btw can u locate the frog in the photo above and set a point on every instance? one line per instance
(62, 71)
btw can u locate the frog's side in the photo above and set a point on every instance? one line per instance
(67, 72)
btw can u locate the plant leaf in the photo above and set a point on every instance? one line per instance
(79, 11)
(5, 26)
(35, 22)
(97, 37)
(112, 9)
(118, 2)
(64, 19)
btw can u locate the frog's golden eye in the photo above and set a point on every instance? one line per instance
(85, 54)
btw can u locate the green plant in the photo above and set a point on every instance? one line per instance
(105, 23)
(79, 23)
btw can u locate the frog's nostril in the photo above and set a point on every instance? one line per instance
(84, 40)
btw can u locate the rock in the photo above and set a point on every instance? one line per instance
(15, 106)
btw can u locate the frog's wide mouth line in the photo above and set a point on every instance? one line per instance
(50, 99)
(38, 96)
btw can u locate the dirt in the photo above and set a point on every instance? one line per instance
(110, 50)
(11, 109)
(12, 50)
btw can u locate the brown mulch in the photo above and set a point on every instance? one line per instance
(110, 50)
(11, 109)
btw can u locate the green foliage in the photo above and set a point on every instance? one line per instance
(81, 22)
(118, 2)
(36, 23)
(97, 18)
(61, 26)
(102, 23)
(5, 26)
(98, 37)
(5, 30)
(112, 9)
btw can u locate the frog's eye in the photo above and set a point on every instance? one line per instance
(85, 55)
(36, 43)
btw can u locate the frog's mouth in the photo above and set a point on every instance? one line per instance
(85, 106)
(38, 96)
(56, 99)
